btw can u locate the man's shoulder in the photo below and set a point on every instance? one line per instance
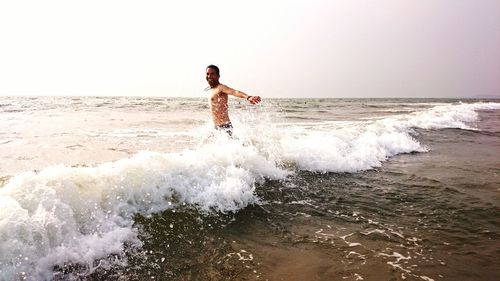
(222, 89)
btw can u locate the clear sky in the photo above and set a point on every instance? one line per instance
(280, 48)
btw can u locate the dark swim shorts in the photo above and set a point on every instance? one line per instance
(226, 127)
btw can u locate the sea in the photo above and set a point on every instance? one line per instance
(144, 188)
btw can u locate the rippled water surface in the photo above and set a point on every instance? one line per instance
(309, 189)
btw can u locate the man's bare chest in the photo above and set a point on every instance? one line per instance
(218, 97)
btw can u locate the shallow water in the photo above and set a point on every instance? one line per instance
(309, 190)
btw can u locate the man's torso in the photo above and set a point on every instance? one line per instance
(218, 106)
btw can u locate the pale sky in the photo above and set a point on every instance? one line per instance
(280, 48)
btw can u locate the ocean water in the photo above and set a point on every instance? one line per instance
(121, 188)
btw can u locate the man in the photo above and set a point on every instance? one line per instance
(218, 99)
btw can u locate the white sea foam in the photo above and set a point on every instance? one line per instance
(459, 116)
(366, 144)
(79, 214)
(64, 214)
(347, 150)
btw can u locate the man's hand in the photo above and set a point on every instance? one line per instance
(254, 99)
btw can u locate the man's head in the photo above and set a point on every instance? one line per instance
(212, 75)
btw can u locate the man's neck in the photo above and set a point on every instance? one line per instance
(210, 86)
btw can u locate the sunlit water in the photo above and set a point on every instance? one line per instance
(309, 189)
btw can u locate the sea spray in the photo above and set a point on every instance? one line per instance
(458, 116)
(80, 214)
(362, 145)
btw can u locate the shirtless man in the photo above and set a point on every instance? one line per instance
(218, 99)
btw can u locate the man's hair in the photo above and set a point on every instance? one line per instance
(214, 67)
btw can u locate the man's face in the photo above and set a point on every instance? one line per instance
(212, 77)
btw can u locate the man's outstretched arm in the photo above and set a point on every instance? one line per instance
(230, 91)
